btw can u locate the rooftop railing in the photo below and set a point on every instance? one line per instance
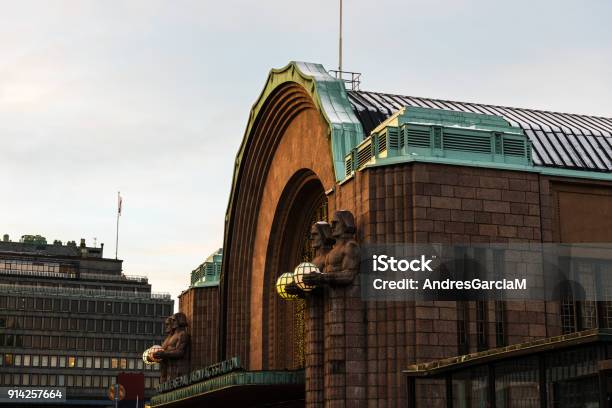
(15, 289)
(65, 275)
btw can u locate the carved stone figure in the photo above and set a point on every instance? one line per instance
(175, 354)
(342, 262)
(322, 242)
(163, 364)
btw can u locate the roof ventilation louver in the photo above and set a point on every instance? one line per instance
(417, 137)
(382, 141)
(364, 154)
(514, 147)
(394, 138)
(467, 143)
(348, 165)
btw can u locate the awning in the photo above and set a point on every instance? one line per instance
(242, 388)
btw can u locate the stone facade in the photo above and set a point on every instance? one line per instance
(201, 306)
(355, 351)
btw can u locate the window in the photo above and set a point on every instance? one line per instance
(123, 363)
(71, 361)
(70, 381)
(131, 364)
(61, 380)
(91, 325)
(53, 361)
(97, 362)
(78, 381)
(62, 361)
(87, 382)
(52, 380)
(44, 361)
(35, 360)
(25, 379)
(114, 363)
(88, 362)
(106, 363)
(80, 362)
(17, 360)
(26, 360)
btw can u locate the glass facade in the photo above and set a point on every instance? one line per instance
(61, 325)
(568, 377)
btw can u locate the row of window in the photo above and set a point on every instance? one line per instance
(82, 325)
(75, 343)
(53, 361)
(86, 306)
(16, 265)
(60, 380)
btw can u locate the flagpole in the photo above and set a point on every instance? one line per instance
(117, 229)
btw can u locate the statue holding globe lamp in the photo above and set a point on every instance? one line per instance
(173, 354)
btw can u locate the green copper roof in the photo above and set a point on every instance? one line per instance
(329, 96)
(209, 272)
(437, 135)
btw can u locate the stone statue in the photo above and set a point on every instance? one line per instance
(322, 242)
(174, 358)
(342, 262)
(163, 364)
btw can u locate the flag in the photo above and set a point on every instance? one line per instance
(119, 204)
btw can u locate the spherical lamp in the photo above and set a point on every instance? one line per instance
(302, 270)
(148, 356)
(281, 286)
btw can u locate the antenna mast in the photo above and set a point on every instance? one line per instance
(340, 42)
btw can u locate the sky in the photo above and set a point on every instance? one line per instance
(151, 98)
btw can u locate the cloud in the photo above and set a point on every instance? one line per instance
(152, 98)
